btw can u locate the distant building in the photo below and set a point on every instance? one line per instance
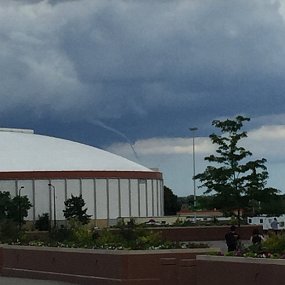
(112, 186)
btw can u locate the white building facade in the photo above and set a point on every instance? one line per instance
(48, 169)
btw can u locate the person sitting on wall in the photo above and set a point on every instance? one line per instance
(232, 239)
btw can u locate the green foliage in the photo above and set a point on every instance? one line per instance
(275, 244)
(15, 208)
(171, 204)
(8, 231)
(5, 200)
(74, 209)
(110, 239)
(79, 234)
(234, 179)
(18, 209)
(43, 222)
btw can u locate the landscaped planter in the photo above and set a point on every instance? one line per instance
(203, 233)
(101, 267)
(224, 270)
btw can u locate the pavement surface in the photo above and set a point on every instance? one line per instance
(23, 281)
(222, 244)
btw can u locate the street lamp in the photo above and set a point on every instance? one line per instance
(54, 207)
(194, 171)
(19, 206)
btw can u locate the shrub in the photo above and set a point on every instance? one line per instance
(9, 231)
(43, 222)
(275, 244)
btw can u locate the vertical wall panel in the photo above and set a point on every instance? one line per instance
(88, 195)
(27, 191)
(134, 197)
(161, 198)
(113, 198)
(73, 187)
(42, 198)
(158, 198)
(60, 198)
(125, 198)
(155, 197)
(142, 189)
(101, 198)
(8, 186)
(149, 198)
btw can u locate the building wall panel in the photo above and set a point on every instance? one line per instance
(101, 199)
(42, 198)
(134, 198)
(113, 198)
(60, 198)
(125, 198)
(8, 186)
(73, 187)
(27, 191)
(88, 195)
(149, 198)
(142, 195)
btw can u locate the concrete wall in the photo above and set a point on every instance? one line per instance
(161, 267)
(238, 270)
(101, 267)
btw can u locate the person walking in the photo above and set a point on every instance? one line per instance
(274, 225)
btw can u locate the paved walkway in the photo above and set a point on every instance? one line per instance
(222, 244)
(22, 281)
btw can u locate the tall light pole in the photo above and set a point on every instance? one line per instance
(54, 207)
(194, 171)
(19, 206)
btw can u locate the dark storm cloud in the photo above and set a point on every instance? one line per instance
(146, 68)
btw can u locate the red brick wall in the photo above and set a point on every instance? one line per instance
(237, 271)
(101, 267)
(161, 267)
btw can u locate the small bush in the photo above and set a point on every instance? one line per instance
(9, 231)
(275, 244)
(43, 222)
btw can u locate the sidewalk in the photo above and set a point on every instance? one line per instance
(22, 281)
(222, 244)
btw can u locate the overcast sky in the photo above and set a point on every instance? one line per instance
(131, 76)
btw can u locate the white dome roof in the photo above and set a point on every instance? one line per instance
(22, 150)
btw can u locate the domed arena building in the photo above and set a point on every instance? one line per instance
(49, 170)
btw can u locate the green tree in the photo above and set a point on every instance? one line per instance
(5, 200)
(18, 209)
(74, 209)
(234, 179)
(171, 204)
(15, 208)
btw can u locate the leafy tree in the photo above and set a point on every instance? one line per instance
(234, 179)
(74, 209)
(171, 205)
(15, 208)
(206, 202)
(5, 200)
(18, 209)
